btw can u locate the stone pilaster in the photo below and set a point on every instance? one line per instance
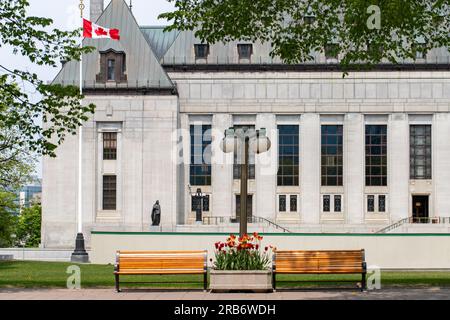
(441, 164)
(222, 169)
(398, 166)
(266, 170)
(310, 168)
(354, 167)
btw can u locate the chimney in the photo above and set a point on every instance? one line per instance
(97, 7)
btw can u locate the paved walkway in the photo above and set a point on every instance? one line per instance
(110, 294)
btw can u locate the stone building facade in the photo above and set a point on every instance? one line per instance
(351, 154)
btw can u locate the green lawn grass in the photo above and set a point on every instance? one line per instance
(27, 274)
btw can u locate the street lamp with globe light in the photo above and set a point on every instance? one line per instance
(239, 141)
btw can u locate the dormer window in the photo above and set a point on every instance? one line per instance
(112, 67)
(201, 51)
(420, 51)
(331, 51)
(245, 50)
(310, 19)
(375, 49)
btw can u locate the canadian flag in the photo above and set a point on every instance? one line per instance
(91, 30)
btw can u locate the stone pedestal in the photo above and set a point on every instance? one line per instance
(79, 255)
(251, 280)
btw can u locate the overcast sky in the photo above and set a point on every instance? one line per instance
(66, 16)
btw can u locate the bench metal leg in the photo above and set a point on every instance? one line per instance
(117, 283)
(205, 281)
(363, 282)
(274, 281)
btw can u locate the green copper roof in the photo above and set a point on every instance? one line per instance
(159, 40)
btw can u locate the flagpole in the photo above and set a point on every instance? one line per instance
(80, 254)
(80, 139)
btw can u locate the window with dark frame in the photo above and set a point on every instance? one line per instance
(249, 206)
(332, 155)
(196, 200)
(337, 203)
(420, 50)
(420, 152)
(376, 155)
(282, 203)
(111, 74)
(381, 203)
(331, 51)
(370, 203)
(201, 51)
(375, 48)
(109, 192)
(288, 155)
(251, 158)
(200, 167)
(293, 203)
(309, 19)
(109, 145)
(206, 203)
(326, 203)
(245, 50)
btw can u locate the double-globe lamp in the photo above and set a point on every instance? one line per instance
(239, 141)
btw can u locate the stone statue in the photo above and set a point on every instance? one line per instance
(156, 214)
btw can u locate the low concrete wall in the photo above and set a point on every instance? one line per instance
(37, 254)
(387, 251)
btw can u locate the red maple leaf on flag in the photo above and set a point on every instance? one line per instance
(101, 32)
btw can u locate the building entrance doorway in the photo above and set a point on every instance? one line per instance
(249, 207)
(420, 209)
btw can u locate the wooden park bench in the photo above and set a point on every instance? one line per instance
(320, 262)
(133, 263)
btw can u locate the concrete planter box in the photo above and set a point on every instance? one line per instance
(245, 280)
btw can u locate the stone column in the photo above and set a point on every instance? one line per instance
(222, 169)
(441, 164)
(310, 168)
(398, 166)
(266, 170)
(354, 172)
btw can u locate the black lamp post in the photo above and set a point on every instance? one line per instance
(239, 141)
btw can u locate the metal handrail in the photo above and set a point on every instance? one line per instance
(271, 223)
(252, 219)
(393, 226)
(415, 220)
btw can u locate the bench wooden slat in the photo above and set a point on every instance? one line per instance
(319, 262)
(160, 262)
